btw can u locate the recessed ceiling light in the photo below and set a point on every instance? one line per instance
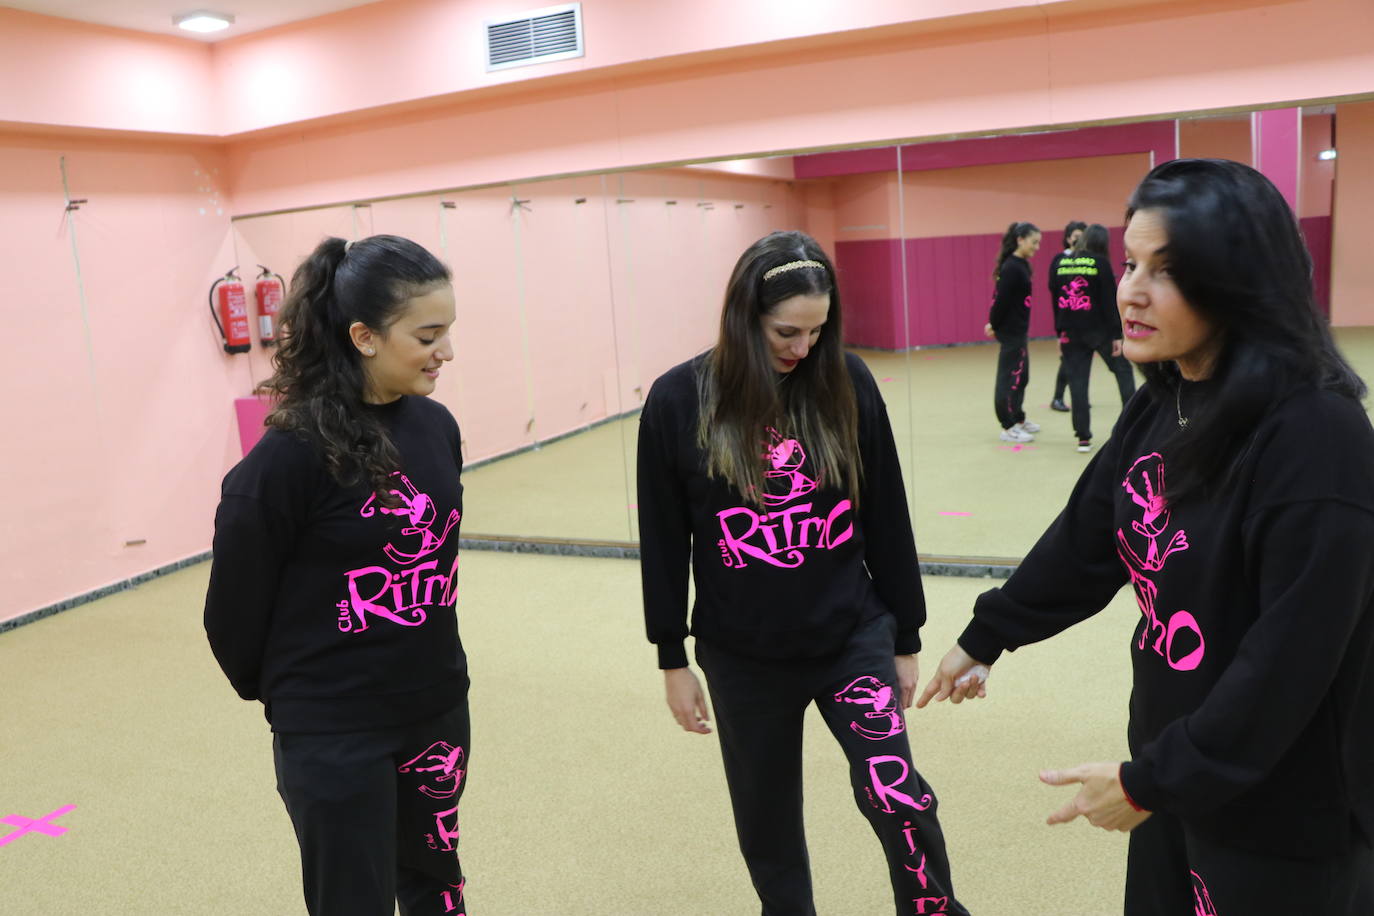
(203, 21)
(1327, 154)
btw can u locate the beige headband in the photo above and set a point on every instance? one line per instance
(792, 265)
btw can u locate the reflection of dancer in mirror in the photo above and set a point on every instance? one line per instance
(1083, 294)
(768, 464)
(1073, 231)
(1009, 322)
(332, 590)
(1250, 788)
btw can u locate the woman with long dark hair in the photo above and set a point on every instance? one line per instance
(333, 584)
(768, 464)
(1083, 295)
(1236, 496)
(1009, 323)
(1073, 231)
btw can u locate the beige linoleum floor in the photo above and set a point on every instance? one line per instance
(585, 798)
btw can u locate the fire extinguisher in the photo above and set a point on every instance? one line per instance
(229, 305)
(270, 289)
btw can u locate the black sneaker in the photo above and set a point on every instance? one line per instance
(1085, 445)
(1059, 405)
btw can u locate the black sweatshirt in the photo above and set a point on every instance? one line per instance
(1083, 294)
(1252, 705)
(1011, 301)
(335, 611)
(790, 579)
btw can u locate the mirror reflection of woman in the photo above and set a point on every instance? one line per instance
(1236, 497)
(1086, 320)
(768, 465)
(1073, 231)
(1009, 323)
(333, 581)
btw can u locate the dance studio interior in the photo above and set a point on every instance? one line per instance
(590, 189)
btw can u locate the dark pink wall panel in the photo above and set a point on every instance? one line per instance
(948, 289)
(1317, 231)
(870, 279)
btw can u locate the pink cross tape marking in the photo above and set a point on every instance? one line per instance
(888, 379)
(1014, 448)
(41, 825)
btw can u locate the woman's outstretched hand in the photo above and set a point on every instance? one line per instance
(686, 700)
(1102, 800)
(960, 677)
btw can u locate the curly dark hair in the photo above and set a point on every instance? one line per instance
(319, 381)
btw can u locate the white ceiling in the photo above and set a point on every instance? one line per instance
(156, 15)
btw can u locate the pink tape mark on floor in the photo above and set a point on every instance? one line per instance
(958, 514)
(39, 825)
(1015, 448)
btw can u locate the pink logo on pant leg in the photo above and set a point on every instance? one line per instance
(931, 906)
(1202, 901)
(1145, 484)
(869, 691)
(881, 794)
(453, 900)
(445, 835)
(441, 765)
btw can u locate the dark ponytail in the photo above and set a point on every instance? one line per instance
(1010, 239)
(319, 383)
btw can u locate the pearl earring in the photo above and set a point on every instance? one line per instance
(371, 352)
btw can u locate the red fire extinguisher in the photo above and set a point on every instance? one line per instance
(229, 305)
(270, 289)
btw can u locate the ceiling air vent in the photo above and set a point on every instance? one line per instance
(553, 33)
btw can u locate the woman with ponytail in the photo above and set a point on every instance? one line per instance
(1083, 296)
(332, 588)
(1009, 322)
(1236, 497)
(767, 466)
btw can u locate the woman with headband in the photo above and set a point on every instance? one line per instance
(768, 464)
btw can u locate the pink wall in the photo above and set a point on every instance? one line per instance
(1216, 138)
(694, 91)
(59, 72)
(844, 96)
(545, 291)
(1352, 269)
(125, 439)
(423, 49)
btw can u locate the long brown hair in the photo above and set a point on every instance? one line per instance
(741, 395)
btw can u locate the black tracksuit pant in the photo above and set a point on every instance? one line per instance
(376, 815)
(759, 707)
(1171, 871)
(1013, 372)
(1119, 365)
(1076, 355)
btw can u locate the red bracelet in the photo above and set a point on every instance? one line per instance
(1130, 801)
